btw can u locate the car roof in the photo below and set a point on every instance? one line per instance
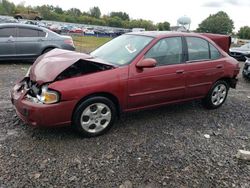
(223, 41)
(161, 34)
(21, 25)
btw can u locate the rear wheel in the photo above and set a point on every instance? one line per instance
(38, 19)
(18, 17)
(94, 116)
(217, 95)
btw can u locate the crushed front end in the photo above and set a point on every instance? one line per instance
(38, 105)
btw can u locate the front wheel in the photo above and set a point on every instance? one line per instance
(94, 116)
(217, 95)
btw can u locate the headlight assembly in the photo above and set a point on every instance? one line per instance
(48, 96)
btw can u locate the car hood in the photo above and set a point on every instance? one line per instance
(48, 66)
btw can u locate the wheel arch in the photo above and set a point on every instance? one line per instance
(48, 47)
(230, 81)
(107, 95)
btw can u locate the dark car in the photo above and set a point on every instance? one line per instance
(240, 53)
(246, 69)
(23, 41)
(131, 72)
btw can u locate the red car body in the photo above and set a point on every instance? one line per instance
(129, 87)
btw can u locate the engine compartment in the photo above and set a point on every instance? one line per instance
(82, 67)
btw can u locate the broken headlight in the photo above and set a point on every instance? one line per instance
(48, 96)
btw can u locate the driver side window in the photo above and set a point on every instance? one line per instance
(167, 51)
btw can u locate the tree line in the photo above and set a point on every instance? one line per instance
(91, 17)
(219, 23)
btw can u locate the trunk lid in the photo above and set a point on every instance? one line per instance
(48, 66)
(223, 41)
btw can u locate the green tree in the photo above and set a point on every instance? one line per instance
(121, 15)
(75, 12)
(95, 12)
(58, 10)
(217, 23)
(7, 8)
(114, 21)
(164, 26)
(140, 23)
(244, 32)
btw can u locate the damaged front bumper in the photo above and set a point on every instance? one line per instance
(37, 114)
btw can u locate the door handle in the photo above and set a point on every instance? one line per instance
(179, 71)
(40, 40)
(219, 66)
(10, 39)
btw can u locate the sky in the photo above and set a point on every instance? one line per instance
(160, 10)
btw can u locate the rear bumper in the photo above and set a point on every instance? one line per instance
(42, 115)
(233, 82)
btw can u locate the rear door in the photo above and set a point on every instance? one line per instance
(7, 42)
(205, 65)
(29, 41)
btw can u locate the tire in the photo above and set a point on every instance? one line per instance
(94, 116)
(217, 95)
(18, 17)
(38, 19)
(47, 50)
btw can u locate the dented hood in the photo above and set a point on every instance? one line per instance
(48, 66)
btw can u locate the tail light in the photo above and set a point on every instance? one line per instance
(70, 42)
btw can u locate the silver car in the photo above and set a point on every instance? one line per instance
(22, 41)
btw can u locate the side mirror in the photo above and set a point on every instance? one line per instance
(146, 63)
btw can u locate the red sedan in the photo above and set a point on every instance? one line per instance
(131, 72)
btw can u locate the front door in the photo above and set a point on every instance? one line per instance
(161, 84)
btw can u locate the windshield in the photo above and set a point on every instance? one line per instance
(123, 49)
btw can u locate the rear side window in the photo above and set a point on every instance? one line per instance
(215, 54)
(166, 51)
(7, 32)
(41, 34)
(198, 49)
(25, 32)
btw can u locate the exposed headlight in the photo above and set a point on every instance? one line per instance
(48, 96)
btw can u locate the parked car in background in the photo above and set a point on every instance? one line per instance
(29, 15)
(23, 41)
(246, 69)
(131, 72)
(8, 20)
(56, 28)
(240, 53)
(75, 30)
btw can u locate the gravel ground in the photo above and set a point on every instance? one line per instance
(163, 147)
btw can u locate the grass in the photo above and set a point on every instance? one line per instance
(87, 44)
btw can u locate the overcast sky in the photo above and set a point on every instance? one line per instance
(160, 10)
